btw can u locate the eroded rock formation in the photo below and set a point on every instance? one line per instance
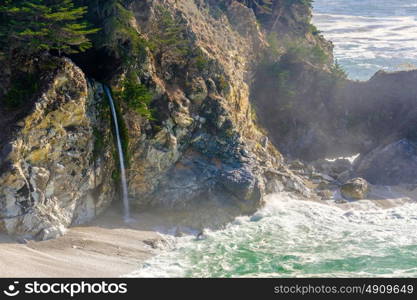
(52, 175)
(201, 149)
(329, 117)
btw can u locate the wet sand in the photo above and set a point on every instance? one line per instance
(105, 248)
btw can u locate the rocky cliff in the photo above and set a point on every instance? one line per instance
(52, 174)
(321, 114)
(204, 148)
(200, 150)
(206, 92)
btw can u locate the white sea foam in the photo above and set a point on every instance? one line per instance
(359, 37)
(289, 237)
(370, 35)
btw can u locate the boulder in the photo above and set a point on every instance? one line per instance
(333, 168)
(391, 164)
(356, 188)
(325, 194)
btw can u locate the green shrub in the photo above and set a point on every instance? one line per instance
(137, 97)
(282, 75)
(273, 49)
(31, 27)
(168, 36)
(117, 34)
(297, 52)
(338, 71)
(200, 60)
(313, 29)
(318, 55)
(222, 83)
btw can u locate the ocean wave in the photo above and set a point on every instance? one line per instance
(290, 238)
(379, 42)
(377, 8)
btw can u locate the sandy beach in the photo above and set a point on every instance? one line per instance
(105, 248)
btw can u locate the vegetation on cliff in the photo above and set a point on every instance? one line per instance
(270, 13)
(117, 36)
(137, 96)
(169, 40)
(30, 27)
(30, 30)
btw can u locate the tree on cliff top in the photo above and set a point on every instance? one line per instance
(269, 11)
(30, 27)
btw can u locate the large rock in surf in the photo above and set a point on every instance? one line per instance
(391, 164)
(356, 188)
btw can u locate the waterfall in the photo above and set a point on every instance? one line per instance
(121, 156)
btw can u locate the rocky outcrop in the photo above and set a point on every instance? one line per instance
(56, 165)
(202, 149)
(205, 146)
(339, 169)
(391, 164)
(356, 188)
(349, 117)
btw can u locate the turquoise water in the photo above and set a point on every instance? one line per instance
(370, 35)
(292, 238)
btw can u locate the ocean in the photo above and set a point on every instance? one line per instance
(370, 35)
(293, 238)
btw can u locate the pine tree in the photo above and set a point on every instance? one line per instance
(169, 36)
(30, 27)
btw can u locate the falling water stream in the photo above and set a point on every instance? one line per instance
(121, 156)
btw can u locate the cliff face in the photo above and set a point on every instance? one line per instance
(52, 173)
(198, 147)
(204, 148)
(331, 117)
(201, 150)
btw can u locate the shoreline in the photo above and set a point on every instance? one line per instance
(104, 248)
(108, 247)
